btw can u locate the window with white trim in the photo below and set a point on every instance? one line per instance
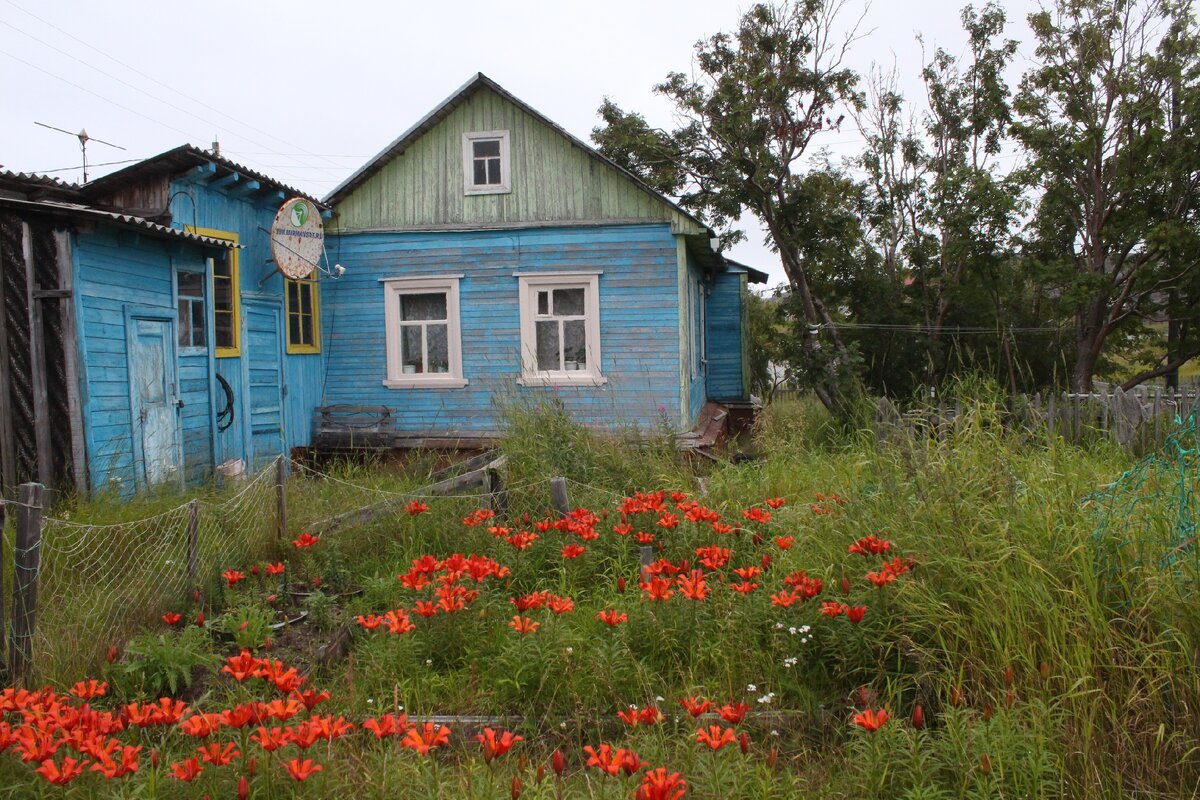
(560, 329)
(424, 345)
(486, 165)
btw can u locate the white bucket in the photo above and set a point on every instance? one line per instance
(233, 468)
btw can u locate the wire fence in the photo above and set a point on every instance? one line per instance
(98, 584)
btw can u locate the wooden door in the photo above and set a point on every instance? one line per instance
(154, 401)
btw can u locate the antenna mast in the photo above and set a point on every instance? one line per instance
(83, 138)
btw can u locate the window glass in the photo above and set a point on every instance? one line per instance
(574, 344)
(568, 302)
(223, 301)
(487, 147)
(437, 347)
(547, 346)
(411, 352)
(303, 320)
(422, 306)
(190, 308)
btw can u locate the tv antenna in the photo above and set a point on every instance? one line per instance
(83, 138)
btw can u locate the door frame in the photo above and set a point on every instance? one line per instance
(132, 314)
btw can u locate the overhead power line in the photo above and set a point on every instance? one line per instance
(160, 83)
(135, 87)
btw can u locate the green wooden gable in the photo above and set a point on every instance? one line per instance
(416, 183)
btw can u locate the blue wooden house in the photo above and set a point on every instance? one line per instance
(490, 254)
(147, 337)
(181, 348)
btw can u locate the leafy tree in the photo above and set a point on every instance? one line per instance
(1111, 188)
(762, 96)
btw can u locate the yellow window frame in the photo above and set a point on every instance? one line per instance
(235, 278)
(315, 347)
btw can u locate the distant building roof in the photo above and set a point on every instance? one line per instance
(753, 275)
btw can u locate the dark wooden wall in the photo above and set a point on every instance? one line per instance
(39, 428)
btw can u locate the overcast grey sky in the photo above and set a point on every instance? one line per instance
(307, 92)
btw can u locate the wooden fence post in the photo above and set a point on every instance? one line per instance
(493, 480)
(558, 493)
(647, 558)
(193, 542)
(280, 498)
(27, 561)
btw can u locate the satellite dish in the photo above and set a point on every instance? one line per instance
(297, 238)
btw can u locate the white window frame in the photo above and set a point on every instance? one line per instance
(505, 185)
(529, 285)
(393, 289)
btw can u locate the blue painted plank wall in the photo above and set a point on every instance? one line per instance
(250, 217)
(639, 308)
(725, 337)
(115, 271)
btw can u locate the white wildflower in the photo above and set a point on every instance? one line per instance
(751, 688)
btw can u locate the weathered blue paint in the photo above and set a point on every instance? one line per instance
(119, 281)
(639, 323)
(724, 322)
(263, 376)
(695, 369)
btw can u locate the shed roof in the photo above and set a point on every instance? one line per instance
(179, 160)
(59, 208)
(465, 92)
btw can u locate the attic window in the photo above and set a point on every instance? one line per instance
(486, 166)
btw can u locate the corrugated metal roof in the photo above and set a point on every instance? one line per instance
(29, 181)
(481, 81)
(180, 160)
(78, 211)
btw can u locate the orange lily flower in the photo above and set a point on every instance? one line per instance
(61, 776)
(871, 720)
(696, 705)
(88, 690)
(523, 625)
(273, 739)
(305, 540)
(216, 755)
(302, 770)
(426, 737)
(612, 618)
(716, 737)
(186, 770)
(658, 784)
(387, 725)
(613, 761)
(496, 746)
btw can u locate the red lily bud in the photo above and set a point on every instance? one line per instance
(1008, 675)
(845, 585)
(1010, 698)
(196, 595)
(243, 790)
(243, 626)
(956, 697)
(985, 764)
(621, 584)
(200, 620)
(254, 569)
(317, 583)
(541, 773)
(267, 643)
(1044, 669)
(522, 762)
(772, 758)
(757, 539)
(252, 766)
(154, 759)
(272, 598)
(864, 696)
(516, 788)
(766, 560)
(744, 743)
(558, 763)
(112, 654)
(918, 717)
(987, 711)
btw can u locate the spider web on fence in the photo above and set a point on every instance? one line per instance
(100, 584)
(1147, 518)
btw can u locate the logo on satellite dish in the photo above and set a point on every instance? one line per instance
(297, 239)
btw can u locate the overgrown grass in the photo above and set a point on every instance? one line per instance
(1052, 651)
